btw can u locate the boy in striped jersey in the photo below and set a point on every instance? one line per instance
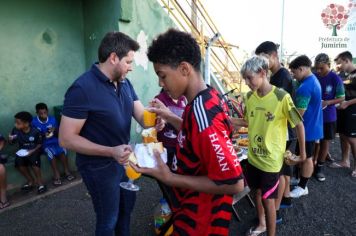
(205, 171)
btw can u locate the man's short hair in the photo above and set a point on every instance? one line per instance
(173, 47)
(266, 47)
(24, 116)
(300, 61)
(344, 56)
(322, 58)
(118, 43)
(41, 106)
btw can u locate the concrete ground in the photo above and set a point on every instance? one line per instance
(329, 209)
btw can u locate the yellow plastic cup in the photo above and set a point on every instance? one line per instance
(149, 118)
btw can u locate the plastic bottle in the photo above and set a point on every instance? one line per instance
(162, 213)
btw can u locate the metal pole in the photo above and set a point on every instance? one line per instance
(282, 30)
(207, 58)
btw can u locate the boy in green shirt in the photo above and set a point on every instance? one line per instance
(268, 109)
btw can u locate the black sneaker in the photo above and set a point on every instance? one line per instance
(319, 173)
(41, 189)
(286, 203)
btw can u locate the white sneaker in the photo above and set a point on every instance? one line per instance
(298, 192)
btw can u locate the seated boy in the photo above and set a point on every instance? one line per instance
(3, 199)
(48, 127)
(30, 142)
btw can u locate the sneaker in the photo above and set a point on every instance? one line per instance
(41, 189)
(286, 203)
(298, 192)
(319, 173)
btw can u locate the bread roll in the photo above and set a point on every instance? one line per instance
(149, 135)
(152, 146)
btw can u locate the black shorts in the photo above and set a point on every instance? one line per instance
(309, 148)
(33, 160)
(346, 121)
(329, 130)
(286, 169)
(266, 181)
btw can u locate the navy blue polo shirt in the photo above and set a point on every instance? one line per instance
(107, 110)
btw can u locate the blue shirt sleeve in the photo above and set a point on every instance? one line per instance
(132, 90)
(76, 103)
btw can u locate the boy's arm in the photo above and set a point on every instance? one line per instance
(333, 101)
(30, 152)
(238, 122)
(301, 140)
(195, 183)
(345, 104)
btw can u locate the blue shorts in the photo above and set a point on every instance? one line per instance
(53, 151)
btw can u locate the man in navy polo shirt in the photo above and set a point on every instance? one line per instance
(96, 122)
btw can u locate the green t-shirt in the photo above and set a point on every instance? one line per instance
(267, 119)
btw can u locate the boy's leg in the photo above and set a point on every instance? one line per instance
(305, 172)
(352, 142)
(281, 188)
(21, 164)
(3, 186)
(345, 151)
(316, 152)
(35, 161)
(261, 212)
(269, 207)
(64, 160)
(269, 192)
(50, 152)
(56, 174)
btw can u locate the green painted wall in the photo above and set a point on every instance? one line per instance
(147, 21)
(100, 17)
(42, 52)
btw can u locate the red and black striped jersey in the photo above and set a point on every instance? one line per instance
(204, 148)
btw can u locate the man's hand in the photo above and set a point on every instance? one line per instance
(121, 153)
(160, 172)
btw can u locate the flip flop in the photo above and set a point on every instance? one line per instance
(337, 165)
(4, 204)
(57, 182)
(253, 232)
(70, 177)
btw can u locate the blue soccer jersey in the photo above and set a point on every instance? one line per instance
(43, 127)
(308, 98)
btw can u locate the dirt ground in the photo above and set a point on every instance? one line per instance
(329, 209)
